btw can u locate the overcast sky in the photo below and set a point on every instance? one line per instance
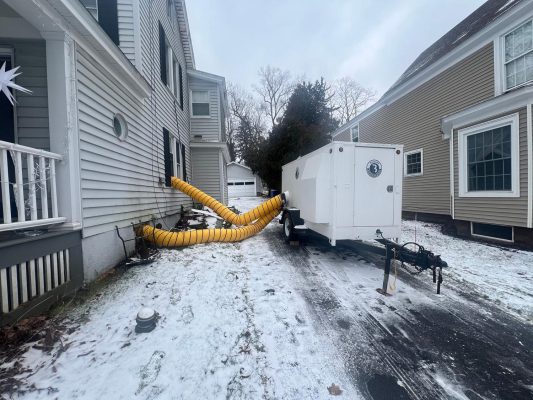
(372, 41)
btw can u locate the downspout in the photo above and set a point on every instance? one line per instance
(452, 177)
(529, 168)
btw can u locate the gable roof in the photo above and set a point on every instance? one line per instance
(185, 33)
(464, 30)
(238, 165)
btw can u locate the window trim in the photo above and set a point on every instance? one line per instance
(191, 103)
(421, 151)
(499, 60)
(358, 134)
(497, 239)
(462, 135)
(177, 162)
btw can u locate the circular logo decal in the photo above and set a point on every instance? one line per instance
(374, 168)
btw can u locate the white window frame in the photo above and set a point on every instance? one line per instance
(499, 61)
(462, 135)
(170, 66)
(177, 162)
(490, 237)
(208, 102)
(421, 151)
(352, 137)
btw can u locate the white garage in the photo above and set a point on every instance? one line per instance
(242, 182)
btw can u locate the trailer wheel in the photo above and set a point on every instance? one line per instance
(288, 228)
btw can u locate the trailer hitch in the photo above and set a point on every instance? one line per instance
(421, 259)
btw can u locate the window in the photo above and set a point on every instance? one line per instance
(120, 128)
(518, 46)
(171, 12)
(174, 157)
(200, 103)
(489, 159)
(413, 163)
(171, 72)
(106, 13)
(354, 131)
(499, 232)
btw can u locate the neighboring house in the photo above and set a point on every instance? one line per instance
(209, 149)
(242, 181)
(94, 145)
(463, 112)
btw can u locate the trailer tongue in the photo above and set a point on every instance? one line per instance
(353, 191)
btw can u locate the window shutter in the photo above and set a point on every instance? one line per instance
(181, 85)
(167, 156)
(183, 162)
(108, 18)
(162, 54)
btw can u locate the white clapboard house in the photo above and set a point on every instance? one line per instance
(116, 108)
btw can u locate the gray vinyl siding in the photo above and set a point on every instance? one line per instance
(126, 28)
(209, 127)
(414, 120)
(206, 172)
(510, 211)
(119, 179)
(32, 108)
(225, 179)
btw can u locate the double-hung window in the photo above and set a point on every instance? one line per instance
(354, 133)
(171, 71)
(518, 59)
(173, 156)
(413, 163)
(106, 13)
(489, 159)
(200, 103)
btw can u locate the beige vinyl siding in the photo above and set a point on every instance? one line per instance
(414, 120)
(206, 127)
(119, 179)
(344, 136)
(126, 30)
(32, 108)
(206, 172)
(510, 211)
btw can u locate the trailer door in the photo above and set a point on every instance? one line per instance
(374, 186)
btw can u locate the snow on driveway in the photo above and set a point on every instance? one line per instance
(502, 275)
(231, 327)
(260, 319)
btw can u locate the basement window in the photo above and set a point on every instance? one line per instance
(495, 232)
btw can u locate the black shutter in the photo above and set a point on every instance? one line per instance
(108, 18)
(184, 163)
(181, 86)
(167, 156)
(162, 54)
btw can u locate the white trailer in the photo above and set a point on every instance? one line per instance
(345, 191)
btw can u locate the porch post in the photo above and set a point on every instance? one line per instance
(63, 124)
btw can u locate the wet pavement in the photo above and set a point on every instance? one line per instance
(415, 344)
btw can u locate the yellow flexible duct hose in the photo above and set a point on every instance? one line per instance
(262, 210)
(164, 238)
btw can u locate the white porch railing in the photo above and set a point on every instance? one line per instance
(28, 181)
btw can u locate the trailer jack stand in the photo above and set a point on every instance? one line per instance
(422, 260)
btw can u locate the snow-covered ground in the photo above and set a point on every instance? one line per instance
(501, 275)
(261, 320)
(231, 326)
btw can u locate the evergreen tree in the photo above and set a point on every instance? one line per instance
(306, 125)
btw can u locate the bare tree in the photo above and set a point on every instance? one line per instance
(275, 87)
(245, 124)
(350, 98)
